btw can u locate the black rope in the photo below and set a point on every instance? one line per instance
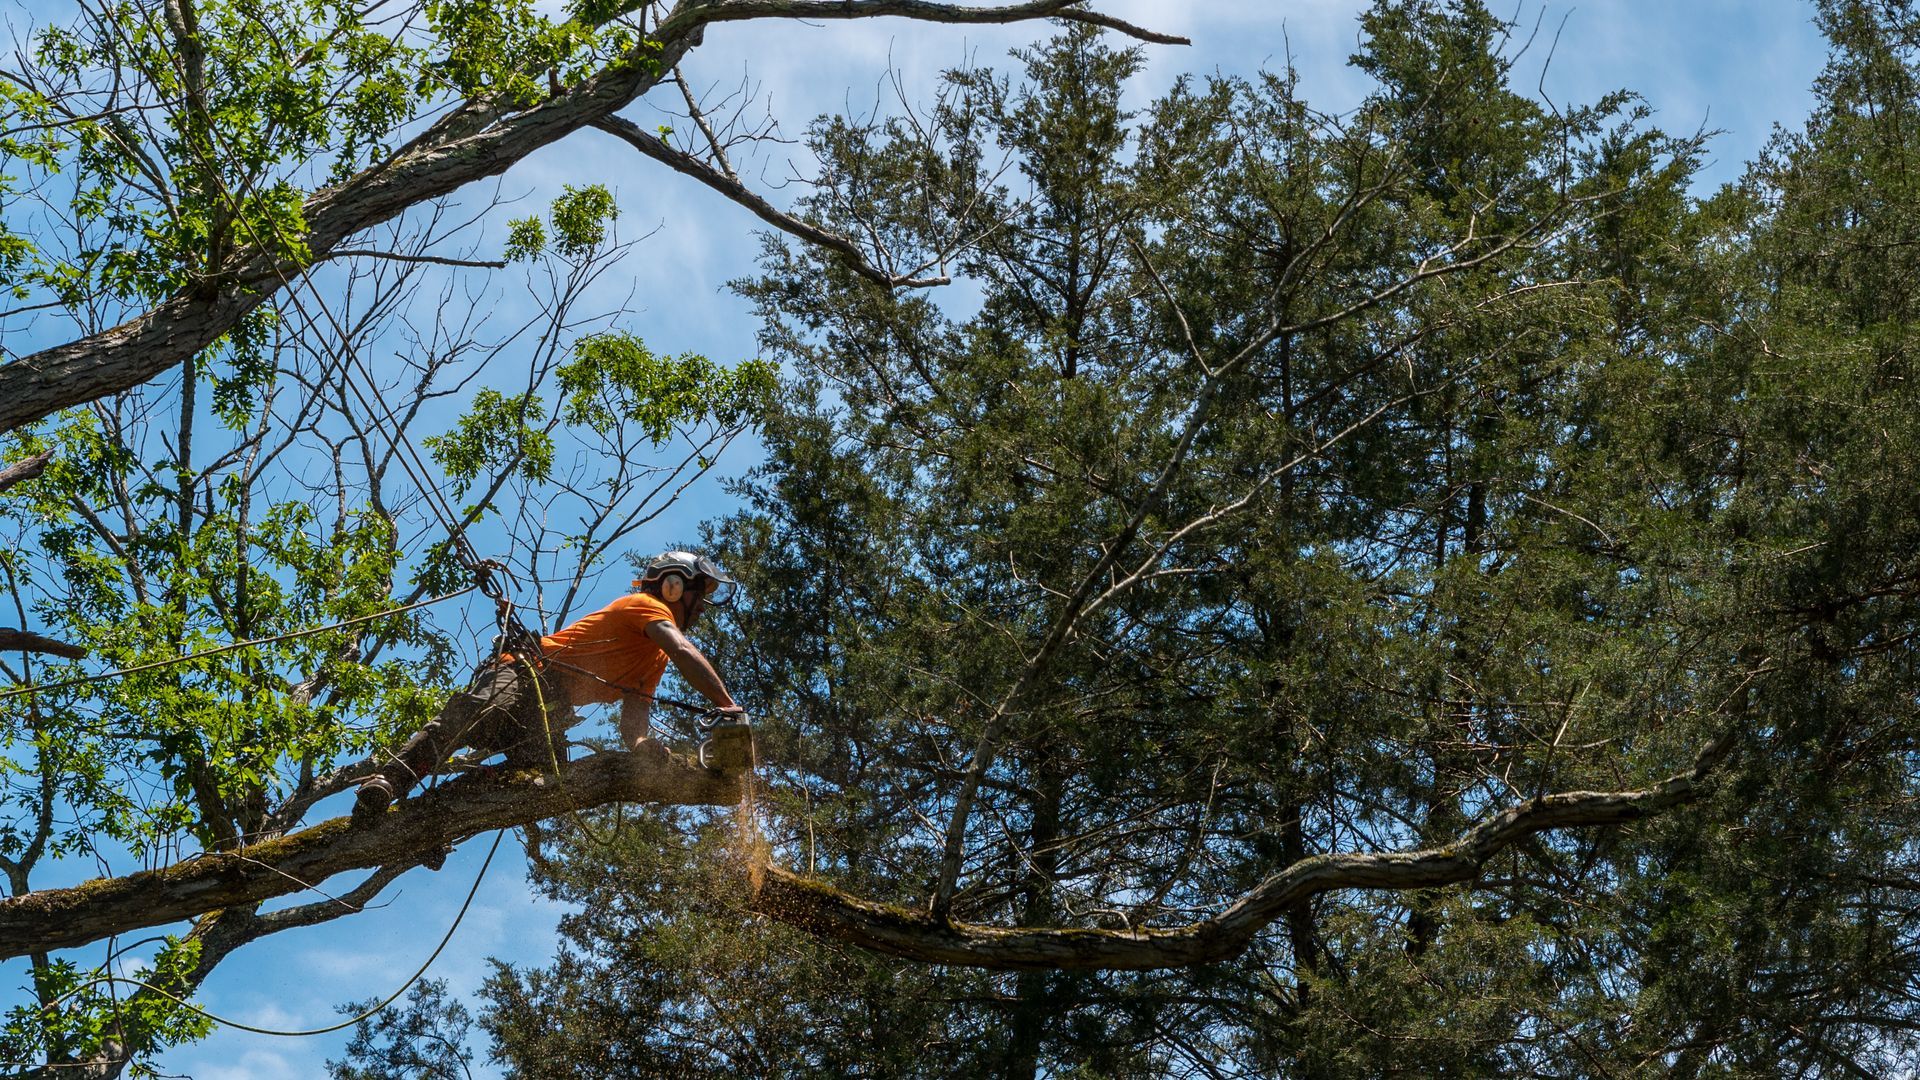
(118, 673)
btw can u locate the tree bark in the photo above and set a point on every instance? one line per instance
(477, 140)
(16, 640)
(67, 918)
(25, 469)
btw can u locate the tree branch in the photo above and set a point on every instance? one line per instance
(12, 640)
(219, 935)
(66, 918)
(924, 11)
(681, 162)
(436, 260)
(818, 908)
(481, 137)
(700, 121)
(21, 471)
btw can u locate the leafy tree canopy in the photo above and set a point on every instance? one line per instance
(1411, 591)
(269, 357)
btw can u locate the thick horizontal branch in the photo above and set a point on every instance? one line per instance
(480, 138)
(66, 918)
(15, 640)
(25, 469)
(820, 909)
(219, 935)
(686, 164)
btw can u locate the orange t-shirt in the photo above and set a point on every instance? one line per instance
(612, 645)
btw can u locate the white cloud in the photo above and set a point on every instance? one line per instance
(253, 1064)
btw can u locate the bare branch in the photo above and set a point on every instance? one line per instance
(660, 150)
(700, 121)
(437, 260)
(922, 10)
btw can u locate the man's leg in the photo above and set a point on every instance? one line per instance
(533, 734)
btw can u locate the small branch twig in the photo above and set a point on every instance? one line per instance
(437, 260)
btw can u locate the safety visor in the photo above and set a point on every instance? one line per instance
(720, 586)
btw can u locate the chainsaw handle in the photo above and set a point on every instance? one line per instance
(718, 715)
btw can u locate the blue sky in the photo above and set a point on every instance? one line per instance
(1736, 65)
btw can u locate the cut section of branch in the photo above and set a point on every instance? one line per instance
(65, 918)
(820, 909)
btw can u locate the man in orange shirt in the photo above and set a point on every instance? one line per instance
(616, 654)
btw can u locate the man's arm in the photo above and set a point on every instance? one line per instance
(692, 664)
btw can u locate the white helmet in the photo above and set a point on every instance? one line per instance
(717, 587)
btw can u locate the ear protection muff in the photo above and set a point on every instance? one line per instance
(677, 571)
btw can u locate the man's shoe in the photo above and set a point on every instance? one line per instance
(370, 802)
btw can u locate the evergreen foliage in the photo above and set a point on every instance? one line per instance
(1308, 484)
